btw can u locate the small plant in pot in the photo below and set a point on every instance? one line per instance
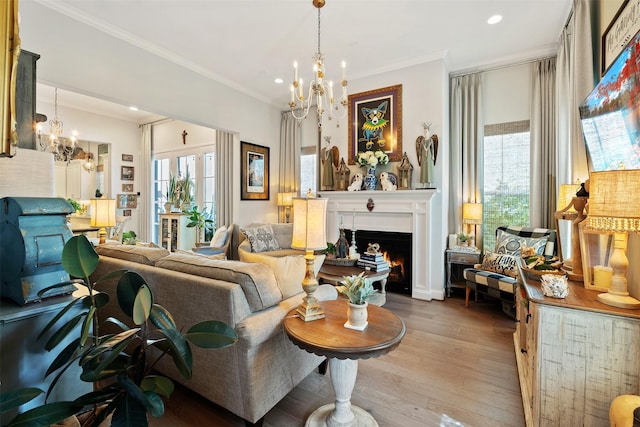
(358, 289)
(200, 220)
(120, 365)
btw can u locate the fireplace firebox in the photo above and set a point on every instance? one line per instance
(396, 248)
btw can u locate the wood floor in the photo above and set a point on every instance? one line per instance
(454, 367)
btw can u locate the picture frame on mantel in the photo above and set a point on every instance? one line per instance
(624, 25)
(375, 122)
(254, 171)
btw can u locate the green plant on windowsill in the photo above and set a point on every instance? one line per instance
(119, 365)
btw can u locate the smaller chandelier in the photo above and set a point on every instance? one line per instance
(61, 148)
(319, 88)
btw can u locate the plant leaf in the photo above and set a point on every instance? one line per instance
(101, 299)
(57, 317)
(148, 399)
(118, 323)
(99, 396)
(63, 357)
(211, 334)
(86, 326)
(79, 258)
(14, 398)
(127, 290)
(161, 317)
(62, 333)
(142, 305)
(157, 405)
(129, 413)
(45, 415)
(157, 384)
(180, 351)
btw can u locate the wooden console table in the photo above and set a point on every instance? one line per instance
(574, 355)
(328, 337)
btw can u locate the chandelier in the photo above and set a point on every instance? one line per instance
(319, 88)
(61, 148)
(89, 165)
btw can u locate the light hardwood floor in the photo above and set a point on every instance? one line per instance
(454, 367)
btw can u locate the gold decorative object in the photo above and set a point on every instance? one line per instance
(342, 176)
(405, 171)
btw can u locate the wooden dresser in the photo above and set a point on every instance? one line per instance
(574, 355)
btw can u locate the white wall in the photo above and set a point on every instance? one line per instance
(507, 94)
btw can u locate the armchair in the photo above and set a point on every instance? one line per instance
(497, 275)
(217, 244)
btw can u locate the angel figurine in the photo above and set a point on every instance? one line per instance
(427, 151)
(330, 156)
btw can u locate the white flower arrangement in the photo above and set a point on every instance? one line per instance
(372, 158)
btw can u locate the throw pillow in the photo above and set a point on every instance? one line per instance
(510, 244)
(500, 263)
(219, 238)
(262, 238)
(221, 256)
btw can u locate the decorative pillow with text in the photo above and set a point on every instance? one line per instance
(500, 263)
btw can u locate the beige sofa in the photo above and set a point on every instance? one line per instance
(254, 374)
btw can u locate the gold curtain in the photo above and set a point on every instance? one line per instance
(9, 66)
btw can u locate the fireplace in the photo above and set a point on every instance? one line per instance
(396, 248)
(415, 212)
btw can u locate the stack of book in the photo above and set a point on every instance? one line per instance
(373, 262)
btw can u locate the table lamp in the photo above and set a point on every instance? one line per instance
(310, 234)
(286, 200)
(472, 215)
(103, 214)
(614, 207)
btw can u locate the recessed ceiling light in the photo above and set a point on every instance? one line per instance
(133, 108)
(494, 19)
(279, 81)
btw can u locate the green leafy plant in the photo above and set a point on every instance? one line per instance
(463, 237)
(331, 249)
(187, 188)
(200, 220)
(357, 288)
(173, 190)
(120, 365)
(129, 238)
(75, 205)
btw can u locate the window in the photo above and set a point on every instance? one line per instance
(308, 169)
(506, 178)
(200, 162)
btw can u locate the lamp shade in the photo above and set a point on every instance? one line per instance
(309, 224)
(614, 201)
(285, 199)
(472, 213)
(103, 212)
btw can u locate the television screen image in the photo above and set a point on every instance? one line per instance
(610, 115)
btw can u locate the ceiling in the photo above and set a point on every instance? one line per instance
(246, 44)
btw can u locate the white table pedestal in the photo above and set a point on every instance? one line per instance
(342, 413)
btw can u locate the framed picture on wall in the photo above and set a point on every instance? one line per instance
(127, 157)
(620, 31)
(375, 122)
(127, 188)
(254, 172)
(126, 212)
(126, 173)
(127, 201)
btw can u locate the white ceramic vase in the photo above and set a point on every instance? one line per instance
(357, 315)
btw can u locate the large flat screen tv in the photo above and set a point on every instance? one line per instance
(610, 115)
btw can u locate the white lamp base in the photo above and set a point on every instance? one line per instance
(620, 301)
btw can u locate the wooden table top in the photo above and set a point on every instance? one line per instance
(337, 272)
(328, 337)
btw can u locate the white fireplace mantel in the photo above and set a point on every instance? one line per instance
(405, 211)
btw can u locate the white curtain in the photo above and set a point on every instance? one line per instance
(575, 78)
(542, 194)
(290, 143)
(225, 173)
(467, 133)
(147, 198)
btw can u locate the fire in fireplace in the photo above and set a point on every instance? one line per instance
(396, 248)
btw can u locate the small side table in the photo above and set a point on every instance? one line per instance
(334, 274)
(464, 257)
(328, 337)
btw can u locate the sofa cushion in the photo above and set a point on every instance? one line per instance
(289, 270)
(204, 254)
(507, 243)
(256, 280)
(261, 238)
(219, 237)
(138, 254)
(500, 263)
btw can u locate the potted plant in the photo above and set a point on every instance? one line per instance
(200, 220)
(119, 365)
(463, 239)
(358, 289)
(186, 193)
(173, 193)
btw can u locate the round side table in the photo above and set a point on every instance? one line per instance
(343, 347)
